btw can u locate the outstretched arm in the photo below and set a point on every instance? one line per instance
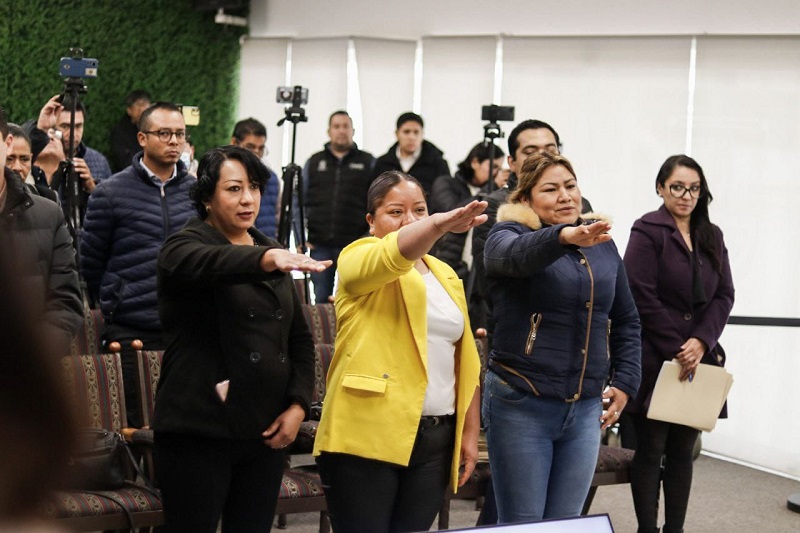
(415, 240)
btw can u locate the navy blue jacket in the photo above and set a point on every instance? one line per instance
(565, 319)
(267, 219)
(128, 218)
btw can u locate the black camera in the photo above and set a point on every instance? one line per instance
(295, 96)
(77, 67)
(495, 113)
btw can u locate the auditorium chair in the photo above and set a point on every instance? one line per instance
(94, 383)
(321, 319)
(87, 340)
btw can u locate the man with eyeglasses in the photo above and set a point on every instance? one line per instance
(128, 218)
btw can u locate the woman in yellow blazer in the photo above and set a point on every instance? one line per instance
(401, 412)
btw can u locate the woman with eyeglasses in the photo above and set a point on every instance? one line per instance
(680, 278)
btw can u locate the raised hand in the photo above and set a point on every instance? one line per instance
(286, 261)
(461, 219)
(586, 236)
(48, 116)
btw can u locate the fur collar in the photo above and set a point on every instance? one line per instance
(524, 215)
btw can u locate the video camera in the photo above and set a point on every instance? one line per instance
(296, 96)
(496, 113)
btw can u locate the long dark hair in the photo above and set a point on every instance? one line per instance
(480, 152)
(700, 227)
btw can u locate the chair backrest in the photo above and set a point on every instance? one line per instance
(94, 384)
(149, 363)
(323, 354)
(87, 340)
(321, 319)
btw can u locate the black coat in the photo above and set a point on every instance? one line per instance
(449, 193)
(224, 318)
(40, 243)
(426, 169)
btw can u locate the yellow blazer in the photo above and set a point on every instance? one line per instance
(377, 379)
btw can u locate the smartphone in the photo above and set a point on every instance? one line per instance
(73, 67)
(191, 115)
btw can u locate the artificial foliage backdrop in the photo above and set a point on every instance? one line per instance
(166, 47)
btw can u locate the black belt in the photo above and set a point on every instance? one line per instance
(432, 421)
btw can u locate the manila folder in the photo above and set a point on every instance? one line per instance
(695, 403)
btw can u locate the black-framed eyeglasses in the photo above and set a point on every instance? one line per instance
(679, 191)
(165, 135)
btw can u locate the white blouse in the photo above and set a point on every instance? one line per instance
(445, 328)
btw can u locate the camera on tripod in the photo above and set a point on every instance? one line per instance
(497, 113)
(295, 96)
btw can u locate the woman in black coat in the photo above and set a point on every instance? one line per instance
(469, 183)
(238, 370)
(680, 278)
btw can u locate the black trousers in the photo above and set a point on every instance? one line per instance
(203, 479)
(124, 335)
(674, 443)
(368, 495)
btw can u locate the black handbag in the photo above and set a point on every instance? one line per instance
(98, 462)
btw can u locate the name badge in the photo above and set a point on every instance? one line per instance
(357, 166)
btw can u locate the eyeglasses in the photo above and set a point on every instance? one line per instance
(679, 191)
(165, 135)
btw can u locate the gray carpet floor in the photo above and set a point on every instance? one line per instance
(726, 498)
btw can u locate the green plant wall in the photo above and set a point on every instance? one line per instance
(166, 47)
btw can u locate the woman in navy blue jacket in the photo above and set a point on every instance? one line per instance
(680, 277)
(566, 326)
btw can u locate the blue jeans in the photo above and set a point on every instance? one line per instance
(543, 451)
(323, 281)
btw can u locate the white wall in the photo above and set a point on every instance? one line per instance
(625, 91)
(413, 19)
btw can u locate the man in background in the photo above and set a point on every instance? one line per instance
(413, 154)
(91, 165)
(128, 218)
(251, 135)
(124, 139)
(335, 183)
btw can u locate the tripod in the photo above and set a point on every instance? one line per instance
(491, 131)
(293, 189)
